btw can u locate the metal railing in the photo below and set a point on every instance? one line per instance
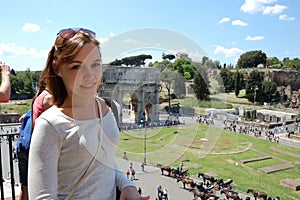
(9, 138)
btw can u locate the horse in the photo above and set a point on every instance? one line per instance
(203, 195)
(257, 194)
(230, 194)
(176, 173)
(184, 173)
(206, 178)
(186, 181)
(219, 183)
(167, 169)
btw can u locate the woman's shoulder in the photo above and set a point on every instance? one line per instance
(54, 115)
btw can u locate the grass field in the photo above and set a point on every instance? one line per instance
(170, 146)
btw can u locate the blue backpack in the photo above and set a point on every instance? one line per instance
(25, 132)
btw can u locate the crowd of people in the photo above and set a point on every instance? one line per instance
(256, 131)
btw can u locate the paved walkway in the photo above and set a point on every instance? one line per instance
(151, 178)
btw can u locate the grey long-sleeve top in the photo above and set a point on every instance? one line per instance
(61, 150)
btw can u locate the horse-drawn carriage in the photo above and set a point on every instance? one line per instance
(174, 172)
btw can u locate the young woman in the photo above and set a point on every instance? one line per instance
(73, 146)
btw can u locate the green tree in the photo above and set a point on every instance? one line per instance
(168, 56)
(217, 64)
(132, 60)
(168, 76)
(204, 59)
(251, 59)
(254, 86)
(163, 65)
(270, 93)
(237, 82)
(273, 62)
(292, 64)
(185, 67)
(201, 84)
(225, 80)
(25, 83)
(116, 62)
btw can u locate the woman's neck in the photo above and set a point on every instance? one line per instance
(81, 109)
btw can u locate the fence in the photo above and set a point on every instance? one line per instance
(9, 137)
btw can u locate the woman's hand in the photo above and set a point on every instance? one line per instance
(131, 193)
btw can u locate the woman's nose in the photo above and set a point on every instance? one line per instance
(87, 71)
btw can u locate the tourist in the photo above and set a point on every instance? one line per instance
(127, 173)
(73, 146)
(5, 82)
(165, 193)
(180, 167)
(132, 174)
(140, 190)
(143, 166)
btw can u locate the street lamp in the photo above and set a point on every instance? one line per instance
(255, 89)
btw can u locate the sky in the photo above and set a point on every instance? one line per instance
(219, 29)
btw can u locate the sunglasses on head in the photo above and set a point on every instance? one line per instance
(70, 32)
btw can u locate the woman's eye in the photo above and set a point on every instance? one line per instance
(76, 67)
(96, 65)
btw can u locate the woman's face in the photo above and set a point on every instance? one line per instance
(83, 75)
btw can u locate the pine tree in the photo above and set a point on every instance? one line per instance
(201, 84)
(237, 83)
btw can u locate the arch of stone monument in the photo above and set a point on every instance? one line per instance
(142, 84)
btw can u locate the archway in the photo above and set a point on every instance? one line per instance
(148, 107)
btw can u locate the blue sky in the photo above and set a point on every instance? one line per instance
(223, 29)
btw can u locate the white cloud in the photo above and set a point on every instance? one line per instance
(286, 18)
(274, 9)
(28, 27)
(232, 52)
(111, 34)
(102, 40)
(238, 23)
(17, 51)
(223, 20)
(49, 21)
(255, 6)
(255, 38)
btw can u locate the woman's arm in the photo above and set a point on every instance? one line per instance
(121, 180)
(131, 193)
(5, 83)
(127, 187)
(43, 160)
(47, 101)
